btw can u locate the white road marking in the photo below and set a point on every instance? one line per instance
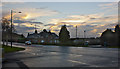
(76, 62)
(82, 63)
(75, 55)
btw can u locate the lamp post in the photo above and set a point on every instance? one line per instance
(11, 28)
(84, 33)
(11, 25)
(84, 37)
(76, 31)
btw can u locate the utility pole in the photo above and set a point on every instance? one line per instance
(76, 31)
(84, 33)
(84, 37)
(11, 28)
(11, 25)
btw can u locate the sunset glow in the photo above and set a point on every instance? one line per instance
(26, 17)
(73, 21)
(94, 17)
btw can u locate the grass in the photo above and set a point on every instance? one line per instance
(8, 49)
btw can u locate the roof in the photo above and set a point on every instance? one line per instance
(44, 34)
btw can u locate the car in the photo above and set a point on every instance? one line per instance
(28, 43)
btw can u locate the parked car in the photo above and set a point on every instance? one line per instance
(28, 43)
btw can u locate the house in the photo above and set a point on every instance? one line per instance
(43, 37)
(111, 38)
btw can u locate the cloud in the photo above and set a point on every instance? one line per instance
(36, 22)
(75, 19)
(109, 7)
(92, 18)
(69, 26)
(32, 13)
(107, 4)
(18, 21)
(11, 3)
(28, 17)
(90, 25)
(25, 21)
(56, 30)
(26, 25)
(42, 8)
(87, 16)
(1, 4)
(93, 23)
(24, 30)
(94, 31)
(49, 24)
(101, 28)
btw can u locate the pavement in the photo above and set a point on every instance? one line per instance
(57, 56)
(13, 62)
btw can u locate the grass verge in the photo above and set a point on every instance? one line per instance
(8, 49)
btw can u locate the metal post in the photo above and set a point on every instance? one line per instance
(11, 28)
(84, 37)
(84, 33)
(11, 25)
(76, 31)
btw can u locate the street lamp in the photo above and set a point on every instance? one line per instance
(76, 31)
(11, 24)
(84, 33)
(84, 36)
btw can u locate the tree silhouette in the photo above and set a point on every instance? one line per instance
(44, 30)
(64, 34)
(36, 31)
(6, 29)
(28, 34)
(117, 29)
(117, 35)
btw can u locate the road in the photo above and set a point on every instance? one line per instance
(58, 56)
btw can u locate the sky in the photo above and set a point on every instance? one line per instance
(94, 17)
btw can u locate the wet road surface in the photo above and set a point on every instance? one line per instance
(58, 56)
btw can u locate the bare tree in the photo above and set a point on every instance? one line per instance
(5, 30)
